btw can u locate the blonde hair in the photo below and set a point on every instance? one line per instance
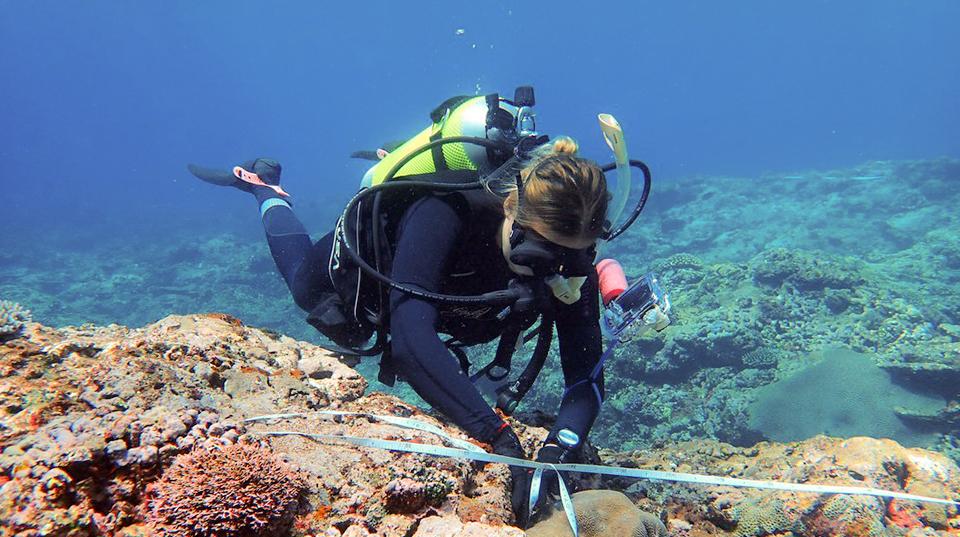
(561, 191)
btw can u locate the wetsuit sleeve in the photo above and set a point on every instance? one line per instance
(578, 328)
(427, 238)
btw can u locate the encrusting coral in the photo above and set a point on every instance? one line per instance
(239, 490)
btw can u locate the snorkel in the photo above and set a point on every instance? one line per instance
(629, 310)
(613, 135)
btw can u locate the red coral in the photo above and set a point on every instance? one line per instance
(240, 490)
(905, 518)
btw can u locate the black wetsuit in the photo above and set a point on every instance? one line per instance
(442, 246)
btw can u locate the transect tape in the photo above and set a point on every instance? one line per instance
(474, 453)
(406, 423)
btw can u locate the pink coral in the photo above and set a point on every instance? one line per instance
(240, 490)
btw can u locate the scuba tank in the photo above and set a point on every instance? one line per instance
(484, 117)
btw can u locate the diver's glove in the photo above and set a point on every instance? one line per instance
(507, 444)
(550, 454)
(260, 177)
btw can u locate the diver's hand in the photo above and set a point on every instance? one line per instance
(550, 454)
(523, 482)
(508, 445)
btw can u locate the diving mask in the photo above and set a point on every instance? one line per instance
(563, 269)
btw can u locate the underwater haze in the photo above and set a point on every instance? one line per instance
(804, 156)
(105, 101)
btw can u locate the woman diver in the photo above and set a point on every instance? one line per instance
(470, 237)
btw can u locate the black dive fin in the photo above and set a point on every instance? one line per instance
(213, 176)
(392, 145)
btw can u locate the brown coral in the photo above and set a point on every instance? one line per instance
(240, 490)
(601, 513)
(405, 496)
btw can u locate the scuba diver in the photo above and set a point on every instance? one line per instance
(470, 231)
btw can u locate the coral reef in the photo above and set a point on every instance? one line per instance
(118, 431)
(764, 274)
(95, 416)
(12, 318)
(240, 490)
(861, 462)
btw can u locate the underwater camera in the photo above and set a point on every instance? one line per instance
(632, 311)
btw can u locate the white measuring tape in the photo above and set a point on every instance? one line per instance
(474, 453)
(406, 423)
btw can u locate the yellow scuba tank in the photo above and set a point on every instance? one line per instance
(461, 116)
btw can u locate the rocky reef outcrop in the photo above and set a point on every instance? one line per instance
(119, 431)
(97, 422)
(859, 461)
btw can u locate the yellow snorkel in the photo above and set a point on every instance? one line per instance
(613, 135)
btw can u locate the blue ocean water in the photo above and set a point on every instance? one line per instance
(103, 104)
(104, 101)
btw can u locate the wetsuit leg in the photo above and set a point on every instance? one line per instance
(302, 263)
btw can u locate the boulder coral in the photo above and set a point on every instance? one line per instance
(601, 513)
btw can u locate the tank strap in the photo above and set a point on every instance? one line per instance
(439, 160)
(441, 110)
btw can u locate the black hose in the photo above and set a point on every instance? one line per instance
(503, 298)
(511, 396)
(496, 298)
(647, 182)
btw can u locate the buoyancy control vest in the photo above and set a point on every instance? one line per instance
(359, 307)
